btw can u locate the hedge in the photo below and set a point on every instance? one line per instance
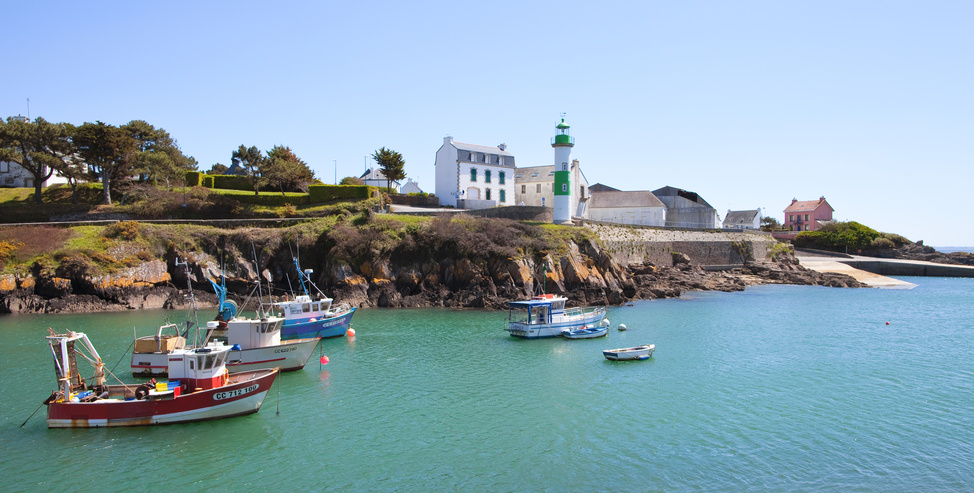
(194, 178)
(271, 200)
(327, 193)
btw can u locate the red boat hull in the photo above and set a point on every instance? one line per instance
(244, 394)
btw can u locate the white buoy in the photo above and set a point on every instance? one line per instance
(622, 327)
(604, 322)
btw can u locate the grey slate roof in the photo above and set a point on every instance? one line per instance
(482, 149)
(615, 200)
(534, 174)
(598, 187)
(740, 217)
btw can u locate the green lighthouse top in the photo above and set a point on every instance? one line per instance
(561, 136)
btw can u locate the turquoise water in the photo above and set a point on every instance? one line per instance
(780, 388)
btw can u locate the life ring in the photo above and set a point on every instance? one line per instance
(226, 376)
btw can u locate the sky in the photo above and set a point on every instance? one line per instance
(748, 103)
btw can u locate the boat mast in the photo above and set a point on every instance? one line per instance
(192, 300)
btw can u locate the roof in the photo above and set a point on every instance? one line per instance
(740, 217)
(598, 187)
(374, 174)
(669, 191)
(617, 200)
(535, 174)
(807, 205)
(479, 148)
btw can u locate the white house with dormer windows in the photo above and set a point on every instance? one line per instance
(472, 176)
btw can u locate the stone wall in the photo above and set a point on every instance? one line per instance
(633, 245)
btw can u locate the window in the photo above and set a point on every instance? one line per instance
(500, 177)
(539, 188)
(487, 176)
(4, 167)
(487, 194)
(791, 217)
(503, 195)
(306, 307)
(486, 158)
(806, 217)
(582, 191)
(473, 174)
(524, 189)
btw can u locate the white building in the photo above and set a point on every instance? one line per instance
(14, 175)
(410, 187)
(374, 177)
(638, 208)
(474, 177)
(535, 186)
(750, 219)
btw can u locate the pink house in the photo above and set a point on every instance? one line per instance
(806, 215)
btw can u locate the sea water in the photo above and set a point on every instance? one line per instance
(776, 388)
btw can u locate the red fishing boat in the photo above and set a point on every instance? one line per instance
(199, 388)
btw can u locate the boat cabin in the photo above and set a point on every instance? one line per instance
(252, 334)
(303, 308)
(200, 368)
(537, 310)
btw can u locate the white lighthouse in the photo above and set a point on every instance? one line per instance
(563, 143)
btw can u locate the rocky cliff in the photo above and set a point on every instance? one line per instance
(462, 262)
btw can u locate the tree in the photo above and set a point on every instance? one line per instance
(391, 164)
(108, 150)
(351, 180)
(158, 156)
(217, 169)
(769, 223)
(39, 147)
(286, 170)
(251, 159)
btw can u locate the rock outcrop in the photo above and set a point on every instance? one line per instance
(588, 273)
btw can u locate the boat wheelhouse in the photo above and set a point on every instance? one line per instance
(546, 316)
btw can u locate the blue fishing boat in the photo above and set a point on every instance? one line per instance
(305, 316)
(545, 316)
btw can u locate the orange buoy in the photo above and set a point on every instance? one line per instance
(887, 323)
(351, 332)
(324, 360)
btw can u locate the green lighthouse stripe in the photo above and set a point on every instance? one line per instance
(562, 183)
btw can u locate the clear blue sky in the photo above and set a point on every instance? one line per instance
(748, 103)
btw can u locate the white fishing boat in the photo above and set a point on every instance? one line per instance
(255, 343)
(545, 316)
(199, 388)
(600, 330)
(630, 353)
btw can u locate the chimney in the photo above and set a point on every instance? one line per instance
(821, 199)
(793, 200)
(502, 147)
(448, 139)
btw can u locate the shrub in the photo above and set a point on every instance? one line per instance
(127, 230)
(328, 193)
(194, 178)
(287, 210)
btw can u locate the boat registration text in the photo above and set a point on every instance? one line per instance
(219, 396)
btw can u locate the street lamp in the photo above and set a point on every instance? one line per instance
(336, 170)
